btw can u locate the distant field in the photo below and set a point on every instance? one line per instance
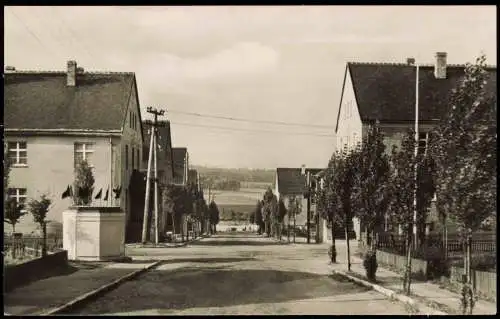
(255, 185)
(247, 196)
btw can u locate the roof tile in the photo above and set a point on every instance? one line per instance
(41, 100)
(386, 91)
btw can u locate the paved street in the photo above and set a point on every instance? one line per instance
(239, 274)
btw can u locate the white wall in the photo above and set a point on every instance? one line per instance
(350, 128)
(50, 169)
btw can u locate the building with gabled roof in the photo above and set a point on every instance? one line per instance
(55, 119)
(291, 182)
(180, 159)
(386, 92)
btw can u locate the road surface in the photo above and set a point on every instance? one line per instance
(240, 274)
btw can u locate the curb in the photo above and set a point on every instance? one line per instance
(164, 245)
(80, 299)
(390, 293)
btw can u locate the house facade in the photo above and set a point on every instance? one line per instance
(292, 183)
(386, 93)
(180, 159)
(55, 119)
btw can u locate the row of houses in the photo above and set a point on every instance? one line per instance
(54, 119)
(387, 93)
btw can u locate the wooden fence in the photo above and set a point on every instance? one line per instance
(481, 243)
(32, 245)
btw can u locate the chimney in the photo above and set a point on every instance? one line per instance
(440, 66)
(410, 61)
(71, 74)
(303, 170)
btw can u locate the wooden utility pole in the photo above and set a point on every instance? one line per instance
(308, 190)
(152, 152)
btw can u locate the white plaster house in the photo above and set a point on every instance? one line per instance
(386, 92)
(54, 119)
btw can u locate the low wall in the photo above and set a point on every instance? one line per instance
(16, 275)
(485, 283)
(418, 266)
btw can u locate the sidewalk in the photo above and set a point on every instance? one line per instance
(165, 245)
(78, 279)
(425, 294)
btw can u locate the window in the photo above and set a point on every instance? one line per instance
(126, 157)
(18, 153)
(138, 162)
(133, 158)
(19, 194)
(422, 143)
(84, 151)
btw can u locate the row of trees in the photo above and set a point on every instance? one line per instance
(269, 215)
(458, 167)
(188, 203)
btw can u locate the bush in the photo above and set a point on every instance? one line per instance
(370, 264)
(480, 262)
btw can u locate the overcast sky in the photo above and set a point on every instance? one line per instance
(269, 63)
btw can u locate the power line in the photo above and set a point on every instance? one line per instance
(251, 121)
(73, 33)
(29, 30)
(248, 130)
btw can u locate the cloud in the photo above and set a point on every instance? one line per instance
(351, 39)
(243, 59)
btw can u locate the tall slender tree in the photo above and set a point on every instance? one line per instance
(294, 208)
(371, 182)
(464, 145)
(282, 212)
(403, 182)
(39, 209)
(328, 205)
(259, 220)
(214, 213)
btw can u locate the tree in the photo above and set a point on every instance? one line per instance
(328, 204)
(464, 145)
(259, 220)
(213, 212)
(270, 211)
(251, 218)
(39, 209)
(13, 212)
(84, 184)
(282, 212)
(294, 208)
(371, 183)
(344, 171)
(403, 184)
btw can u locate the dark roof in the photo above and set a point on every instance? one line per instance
(41, 100)
(386, 92)
(291, 181)
(178, 157)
